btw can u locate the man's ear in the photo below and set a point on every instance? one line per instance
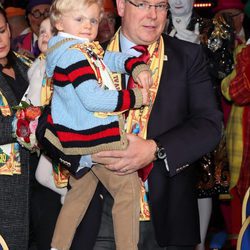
(242, 15)
(120, 7)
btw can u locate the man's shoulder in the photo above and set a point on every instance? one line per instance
(177, 43)
(180, 48)
(180, 51)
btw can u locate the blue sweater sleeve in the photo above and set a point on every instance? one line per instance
(92, 96)
(116, 61)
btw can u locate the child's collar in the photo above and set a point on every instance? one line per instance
(63, 34)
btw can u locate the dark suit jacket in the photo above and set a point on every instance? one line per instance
(187, 122)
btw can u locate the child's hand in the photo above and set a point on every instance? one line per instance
(144, 79)
(145, 96)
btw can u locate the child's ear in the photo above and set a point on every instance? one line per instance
(59, 25)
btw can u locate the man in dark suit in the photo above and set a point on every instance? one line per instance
(183, 124)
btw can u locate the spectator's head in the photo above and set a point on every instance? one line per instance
(45, 33)
(4, 38)
(77, 17)
(233, 8)
(181, 7)
(107, 25)
(36, 11)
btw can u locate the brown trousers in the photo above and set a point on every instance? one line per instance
(125, 191)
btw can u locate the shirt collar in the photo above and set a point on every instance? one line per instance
(241, 35)
(126, 46)
(34, 38)
(63, 34)
(125, 43)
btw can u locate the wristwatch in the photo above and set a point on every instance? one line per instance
(160, 153)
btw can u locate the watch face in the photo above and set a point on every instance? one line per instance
(161, 154)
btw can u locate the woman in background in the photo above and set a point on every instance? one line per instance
(14, 160)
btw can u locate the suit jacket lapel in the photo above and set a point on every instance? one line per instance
(152, 123)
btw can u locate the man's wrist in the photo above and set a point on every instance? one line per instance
(160, 153)
(154, 148)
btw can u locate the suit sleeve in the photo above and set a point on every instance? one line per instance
(197, 122)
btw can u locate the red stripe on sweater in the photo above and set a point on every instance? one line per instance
(87, 70)
(49, 119)
(73, 75)
(126, 102)
(130, 63)
(67, 136)
(60, 77)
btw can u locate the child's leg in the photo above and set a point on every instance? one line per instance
(75, 205)
(44, 175)
(126, 209)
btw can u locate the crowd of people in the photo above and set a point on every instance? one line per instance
(135, 99)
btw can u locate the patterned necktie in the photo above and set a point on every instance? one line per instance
(145, 56)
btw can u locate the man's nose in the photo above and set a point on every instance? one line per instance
(152, 12)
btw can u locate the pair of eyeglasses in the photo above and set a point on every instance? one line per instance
(37, 14)
(160, 7)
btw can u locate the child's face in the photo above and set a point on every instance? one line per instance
(45, 34)
(82, 23)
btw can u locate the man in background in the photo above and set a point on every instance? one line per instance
(108, 22)
(36, 12)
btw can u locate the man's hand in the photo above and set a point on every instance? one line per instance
(144, 79)
(145, 96)
(139, 153)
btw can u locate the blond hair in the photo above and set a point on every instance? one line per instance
(59, 7)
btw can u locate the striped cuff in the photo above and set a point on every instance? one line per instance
(138, 97)
(138, 69)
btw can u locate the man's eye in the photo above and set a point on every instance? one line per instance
(111, 19)
(142, 5)
(160, 6)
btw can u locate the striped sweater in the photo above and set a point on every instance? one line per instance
(77, 96)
